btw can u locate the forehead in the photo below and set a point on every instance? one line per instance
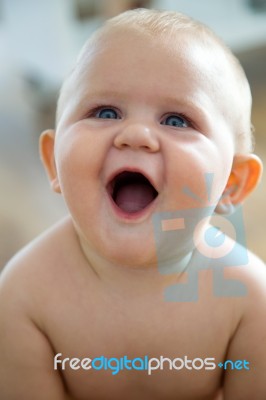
(130, 62)
(130, 52)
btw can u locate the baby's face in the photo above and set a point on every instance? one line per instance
(145, 120)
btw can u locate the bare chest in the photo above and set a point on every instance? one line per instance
(142, 348)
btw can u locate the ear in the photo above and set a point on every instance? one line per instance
(46, 148)
(244, 177)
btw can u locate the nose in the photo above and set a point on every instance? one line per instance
(137, 136)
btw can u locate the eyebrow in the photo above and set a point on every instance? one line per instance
(187, 103)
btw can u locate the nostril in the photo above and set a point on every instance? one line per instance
(146, 148)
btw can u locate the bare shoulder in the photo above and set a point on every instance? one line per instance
(256, 275)
(26, 283)
(31, 275)
(29, 290)
(249, 341)
(253, 275)
(41, 254)
(51, 238)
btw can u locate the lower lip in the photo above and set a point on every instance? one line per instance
(136, 216)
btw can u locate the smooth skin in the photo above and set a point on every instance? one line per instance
(90, 285)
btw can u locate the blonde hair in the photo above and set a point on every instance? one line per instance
(158, 23)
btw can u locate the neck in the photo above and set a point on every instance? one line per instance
(137, 279)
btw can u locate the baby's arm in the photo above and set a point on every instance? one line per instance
(26, 356)
(249, 342)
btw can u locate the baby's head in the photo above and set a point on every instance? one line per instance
(169, 28)
(154, 103)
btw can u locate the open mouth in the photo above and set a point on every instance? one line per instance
(131, 191)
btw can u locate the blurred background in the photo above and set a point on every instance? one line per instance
(39, 41)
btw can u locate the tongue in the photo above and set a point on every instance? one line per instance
(134, 197)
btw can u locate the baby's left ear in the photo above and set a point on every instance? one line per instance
(244, 177)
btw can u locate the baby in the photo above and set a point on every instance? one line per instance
(121, 299)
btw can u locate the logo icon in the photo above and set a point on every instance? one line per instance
(195, 239)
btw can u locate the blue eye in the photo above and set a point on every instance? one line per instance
(176, 121)
(107, 113)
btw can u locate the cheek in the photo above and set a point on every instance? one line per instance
(79, 156)
(197, 174)
(79, 160)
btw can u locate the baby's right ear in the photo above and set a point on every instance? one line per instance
(46, 148)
